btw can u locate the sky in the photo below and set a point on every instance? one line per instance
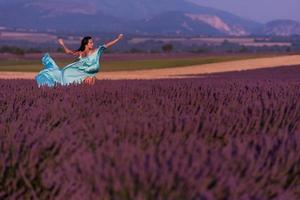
(258, 10)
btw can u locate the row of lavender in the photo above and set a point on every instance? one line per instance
(231, 136)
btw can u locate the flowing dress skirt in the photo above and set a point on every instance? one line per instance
(75, 72)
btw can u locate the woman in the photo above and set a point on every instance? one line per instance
(83, 70)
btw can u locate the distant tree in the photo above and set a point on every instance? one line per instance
(202, 50)
(243, 49)
(60, 50)
(12, 49)
(226, 43)
(18, 51)
(153, 51)
(167, 48)
(134, 50)
(33, 50)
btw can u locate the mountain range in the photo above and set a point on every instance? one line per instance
(282, 27)
(167, 17)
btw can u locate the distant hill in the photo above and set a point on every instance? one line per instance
(282, 28)
(188, 24)
(174, 17)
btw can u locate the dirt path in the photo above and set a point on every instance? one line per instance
(180, 72)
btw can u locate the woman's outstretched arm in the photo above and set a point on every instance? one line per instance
(68, 51)
(113, 42)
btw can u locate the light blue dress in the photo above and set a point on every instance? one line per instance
(75, 72)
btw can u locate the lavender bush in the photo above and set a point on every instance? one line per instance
(232, 136)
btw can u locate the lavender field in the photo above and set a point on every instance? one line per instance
(231, 136)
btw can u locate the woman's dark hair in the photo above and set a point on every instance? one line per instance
(84, 42)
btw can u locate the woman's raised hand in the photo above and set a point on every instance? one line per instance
(120, 36)
(61, 42)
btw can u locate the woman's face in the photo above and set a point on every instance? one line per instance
(90, 44)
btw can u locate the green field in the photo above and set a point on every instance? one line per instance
(36, 65)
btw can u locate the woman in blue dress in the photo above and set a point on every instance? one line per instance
(81, 71)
